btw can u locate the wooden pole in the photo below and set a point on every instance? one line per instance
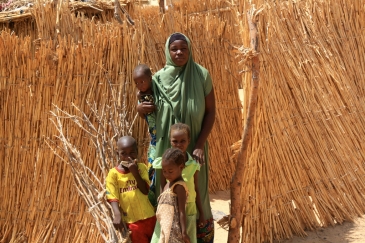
(237, 179)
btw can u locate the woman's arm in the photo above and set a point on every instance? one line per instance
(145, 108)
(198, 201)
(207, 125)
(181, 202)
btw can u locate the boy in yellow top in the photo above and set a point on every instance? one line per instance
(127, 187)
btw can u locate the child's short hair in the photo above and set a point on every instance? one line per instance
(181, 127)
(126, 141)
(144, 69)
(175, 155)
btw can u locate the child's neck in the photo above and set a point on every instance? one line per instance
(186, 156)
(171, 183)
(147, 92)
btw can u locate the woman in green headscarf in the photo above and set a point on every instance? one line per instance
(184, 93)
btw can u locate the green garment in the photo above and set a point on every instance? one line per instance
(179, 94)
(191, 166)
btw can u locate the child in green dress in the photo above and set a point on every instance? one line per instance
(180, 138)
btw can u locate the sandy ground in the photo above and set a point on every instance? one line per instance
(346, 233)
(219, 202)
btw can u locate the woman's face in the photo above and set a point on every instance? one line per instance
(179, 52)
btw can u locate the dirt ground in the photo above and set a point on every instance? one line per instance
(346, 233)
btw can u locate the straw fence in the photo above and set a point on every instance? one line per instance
(73, 60)
(305, 167)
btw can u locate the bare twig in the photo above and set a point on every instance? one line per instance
(102, 126)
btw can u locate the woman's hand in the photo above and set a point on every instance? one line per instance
(145, 108)
(198, 155)
(201, 221)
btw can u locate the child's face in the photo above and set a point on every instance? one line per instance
(126, 152)
(179, 139)
(171, 171)
(142, 81)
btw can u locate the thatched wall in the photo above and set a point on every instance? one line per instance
(41, 68)
(305, 168)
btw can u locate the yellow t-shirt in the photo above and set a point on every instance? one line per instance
(122, 187)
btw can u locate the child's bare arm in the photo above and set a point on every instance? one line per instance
(198, 201)
(117, 215)
(181, 201)
(141, 184)
(162, 182)
(112, 196)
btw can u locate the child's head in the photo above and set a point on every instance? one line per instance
(173, 162)
(180, 136)
(142, 77)
(127, 148)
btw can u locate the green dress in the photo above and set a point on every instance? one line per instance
(191, 166)
(179, 94)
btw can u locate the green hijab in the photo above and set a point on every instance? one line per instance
(180, 97)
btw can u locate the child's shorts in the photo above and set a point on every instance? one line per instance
(142, 230)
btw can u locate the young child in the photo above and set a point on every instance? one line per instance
(127, 189)
(171, 203)
(142, 77)
(180, 138)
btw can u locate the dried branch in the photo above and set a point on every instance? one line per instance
(102, 127)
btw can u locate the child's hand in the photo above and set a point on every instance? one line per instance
(132, 166)
(146, 107)
(186, 238)
(117, 222)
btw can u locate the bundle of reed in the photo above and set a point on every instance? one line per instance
(305, 167)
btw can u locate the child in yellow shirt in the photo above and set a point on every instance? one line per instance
(127, 186)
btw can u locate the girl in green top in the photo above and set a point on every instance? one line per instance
(180, 138)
